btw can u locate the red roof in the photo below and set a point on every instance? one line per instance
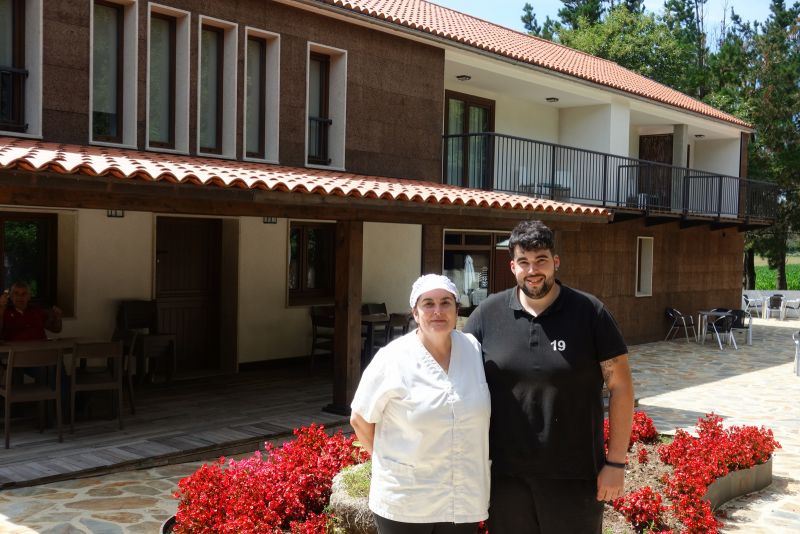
(125, 164)
(462, 28)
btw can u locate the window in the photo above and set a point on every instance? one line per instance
(311, 262)
(318, 120)
(12, 65)
(477, 263)
(217, 88)
(28, 242)
(113, 72)
(161, 111)
(325, 102)
(644, 266)
(168, 79)
(107, 72)
(211, 44)
(256, 88)
(262, 94)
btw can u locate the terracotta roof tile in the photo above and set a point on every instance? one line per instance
(125, 164)
(472, 31)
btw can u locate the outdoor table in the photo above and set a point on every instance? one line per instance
(370, 321)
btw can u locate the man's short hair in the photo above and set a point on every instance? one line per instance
(21, 284)
(531, 235)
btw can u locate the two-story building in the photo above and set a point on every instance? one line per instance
(241, 161)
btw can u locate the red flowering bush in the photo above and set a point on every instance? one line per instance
(643, 429)
(642, 509)
(697, 462)
(287, 490)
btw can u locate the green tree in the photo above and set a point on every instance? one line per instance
(548, 30)
(575, 11)
(686, 23)
(635, 40)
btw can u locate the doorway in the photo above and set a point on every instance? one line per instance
(188, 282)
(655, 181)
(468, 159)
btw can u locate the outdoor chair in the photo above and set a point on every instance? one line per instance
(322, 330)
(790, 305)
(721, 326)
(87, 375)
(399, 324)
(753, 303)
(151, 346)
(773, 304)
(679, 321)
(742, 320)
(41, 390)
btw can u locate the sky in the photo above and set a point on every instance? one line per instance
(508, 12)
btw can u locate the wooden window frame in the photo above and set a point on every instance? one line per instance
(303, 296)
(173, 32)
(324, 105)
(468, 100)
(51, 262)
(16, 121)
(262, 96)
(120, 74)
(220, 32)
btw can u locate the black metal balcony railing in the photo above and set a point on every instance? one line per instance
(12, 99)
(516, 165)
(318, 140)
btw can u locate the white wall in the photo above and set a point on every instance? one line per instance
(718, 156)
(113, 261)
(585, 127)
(268, 329)
(392, 260)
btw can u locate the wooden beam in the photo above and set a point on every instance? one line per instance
(347, 340)
(432, 248)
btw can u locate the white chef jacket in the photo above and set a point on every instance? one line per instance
(430, 460)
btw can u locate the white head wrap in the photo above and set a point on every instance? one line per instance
(429, 282)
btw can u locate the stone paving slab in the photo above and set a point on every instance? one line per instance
(676, 382)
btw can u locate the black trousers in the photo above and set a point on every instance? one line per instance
(544, 506)
(387, 526)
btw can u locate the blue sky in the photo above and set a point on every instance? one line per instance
(508, 12)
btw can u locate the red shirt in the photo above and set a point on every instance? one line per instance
(24, 326)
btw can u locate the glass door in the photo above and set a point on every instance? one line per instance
(468, 143)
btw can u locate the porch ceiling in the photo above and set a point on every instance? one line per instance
(131, 166)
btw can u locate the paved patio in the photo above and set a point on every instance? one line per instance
(676, 383)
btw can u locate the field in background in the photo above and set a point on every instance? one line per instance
(765, 277)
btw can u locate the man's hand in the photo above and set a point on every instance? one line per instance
(57, 313)
(610, 483)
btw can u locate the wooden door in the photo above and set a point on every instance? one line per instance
(656, 181)
(188, 286)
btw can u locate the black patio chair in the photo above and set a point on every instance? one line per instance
(773, 304)
(742, 320)
(322, 330)
(721, 326)
(679, 321)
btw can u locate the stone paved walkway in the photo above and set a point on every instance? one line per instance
(676, 383)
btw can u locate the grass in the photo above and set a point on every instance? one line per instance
(765, 277)
(356, 480)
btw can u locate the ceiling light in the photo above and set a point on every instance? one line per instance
(551, 99)
(463, 77)
(699, 136)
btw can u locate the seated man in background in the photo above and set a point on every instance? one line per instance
(22, 322)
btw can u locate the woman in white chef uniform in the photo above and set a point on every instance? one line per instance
(422, 409)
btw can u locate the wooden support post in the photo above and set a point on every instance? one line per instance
(347, 343)
(432, 248)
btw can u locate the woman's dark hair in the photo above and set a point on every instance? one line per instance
(531, 235)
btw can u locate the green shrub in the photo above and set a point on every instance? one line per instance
(765, 277)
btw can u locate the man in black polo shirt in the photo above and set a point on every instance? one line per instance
(547, 350)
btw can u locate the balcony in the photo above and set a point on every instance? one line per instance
(630, 186)
(12, 99)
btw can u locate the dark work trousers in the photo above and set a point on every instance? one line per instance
(544, 506)
(387, 526)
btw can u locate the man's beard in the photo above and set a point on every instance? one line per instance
(541, 292)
